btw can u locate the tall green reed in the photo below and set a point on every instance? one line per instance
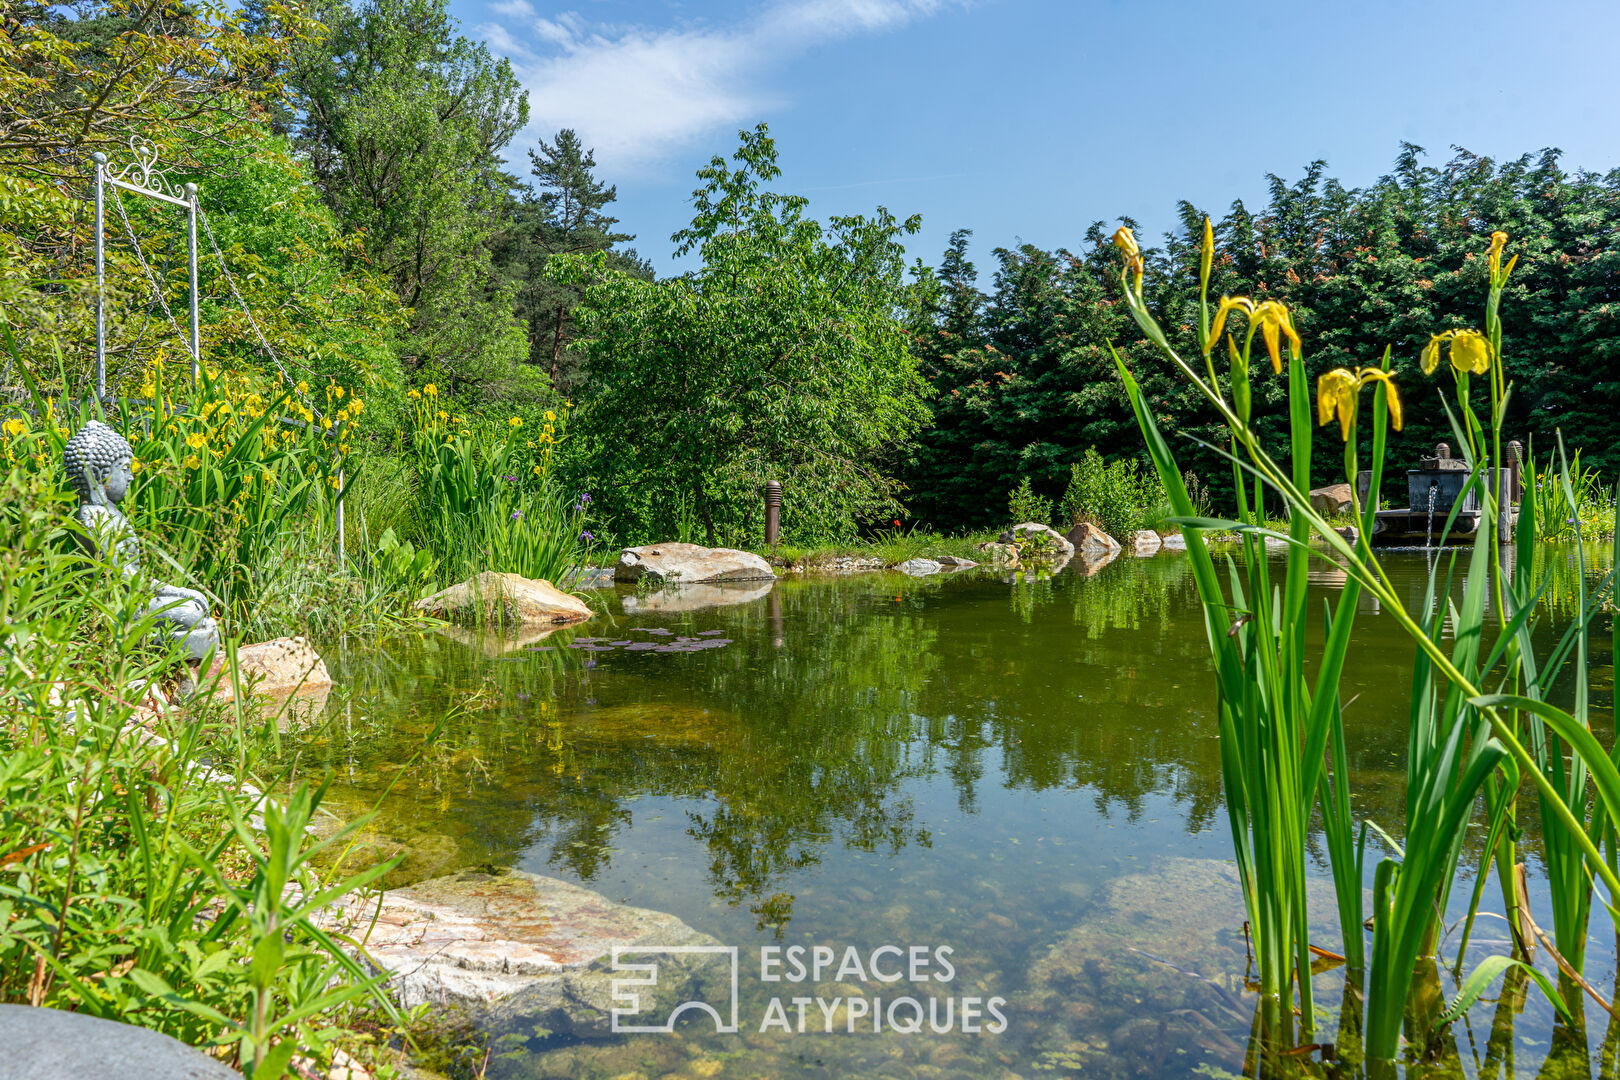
(1278, 732)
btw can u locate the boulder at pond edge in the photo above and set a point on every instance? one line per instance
(1146, 542)
(72, 1046)
(1038, 541)
(285, 675)
(685, 564)
(1089, 539)
(491, 599)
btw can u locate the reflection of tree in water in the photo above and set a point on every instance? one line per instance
(547, 750)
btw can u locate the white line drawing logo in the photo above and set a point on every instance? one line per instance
(625, 993)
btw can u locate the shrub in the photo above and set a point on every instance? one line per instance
(1118, 497)
(1024, 505)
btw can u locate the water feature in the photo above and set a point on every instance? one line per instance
(1022, 772)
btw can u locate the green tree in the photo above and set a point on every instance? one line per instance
(784, 355)
(403, 121)
(565, 216)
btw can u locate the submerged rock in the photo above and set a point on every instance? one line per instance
(919, 567)
(511, 948)
(492, 599)
(1156, 972)
(954, 562)
(687, 563)
(1038, 541)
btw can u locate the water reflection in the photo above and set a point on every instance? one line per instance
(1022, 767)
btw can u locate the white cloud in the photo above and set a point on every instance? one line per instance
(636, 94)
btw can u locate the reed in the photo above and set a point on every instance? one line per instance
(1282, 737)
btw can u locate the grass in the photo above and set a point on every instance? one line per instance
(892, 547)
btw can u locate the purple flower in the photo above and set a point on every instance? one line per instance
(517, 515)
(587, 535)
(585, 499)
(509, 479)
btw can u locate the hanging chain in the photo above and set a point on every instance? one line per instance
(157, 289)
(230, 282)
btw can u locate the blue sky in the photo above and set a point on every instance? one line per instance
(1026, 120)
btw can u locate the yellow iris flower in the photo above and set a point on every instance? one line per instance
(1126, 242)
(1470, 352)
(516, 422)
(1269, 317)
(196, 440)
(15, 428)
(1336, 394)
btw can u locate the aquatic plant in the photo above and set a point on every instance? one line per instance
(1281, 736)
(487, 499)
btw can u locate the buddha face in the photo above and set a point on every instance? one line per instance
(115, 480)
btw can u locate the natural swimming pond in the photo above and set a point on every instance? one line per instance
(1022, 772)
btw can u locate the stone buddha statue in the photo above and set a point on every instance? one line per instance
(98, 462)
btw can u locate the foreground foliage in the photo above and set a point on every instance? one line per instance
(143, 876)
(1480, 716)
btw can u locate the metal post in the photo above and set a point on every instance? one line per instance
(773, 511)
(191, 244)
(101, 279)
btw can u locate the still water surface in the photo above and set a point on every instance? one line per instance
(1022, 771)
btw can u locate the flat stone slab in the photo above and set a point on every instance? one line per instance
(685, 564)
(42, 1043)
(473, 939)
(919, 567)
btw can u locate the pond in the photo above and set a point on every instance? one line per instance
(1023, 773)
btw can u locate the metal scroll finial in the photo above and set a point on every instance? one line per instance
(144, 172)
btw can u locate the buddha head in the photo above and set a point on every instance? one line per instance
(98, 462)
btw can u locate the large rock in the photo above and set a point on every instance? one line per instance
(956, 562)
(61, 1045)
(285, 677)
(1333, 499)
(492, 599)
(1146, 542)
(539, 948)
(685, 564)
(1089, 539)
(919, 567)
(1036, 541)
(1174, 542)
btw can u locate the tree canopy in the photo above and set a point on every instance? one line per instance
(1023, 382)
(783, 356)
